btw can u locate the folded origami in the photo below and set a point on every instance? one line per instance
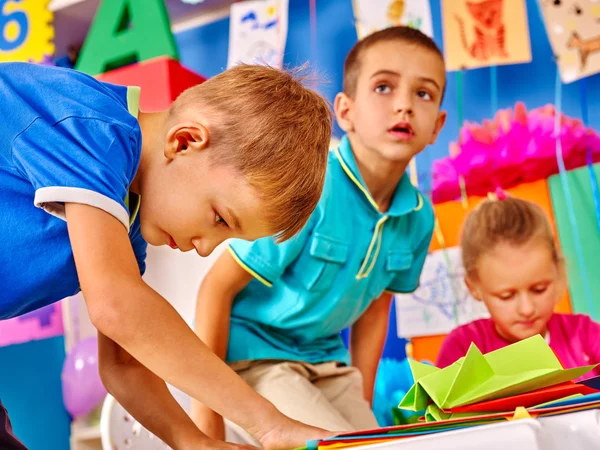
(522, 367)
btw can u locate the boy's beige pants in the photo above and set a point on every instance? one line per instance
(327, 395)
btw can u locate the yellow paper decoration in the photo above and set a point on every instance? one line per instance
(26, 30)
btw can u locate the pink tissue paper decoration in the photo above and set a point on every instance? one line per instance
(516, 146)
(39, 324)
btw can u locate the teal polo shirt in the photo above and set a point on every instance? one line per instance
(306, 290)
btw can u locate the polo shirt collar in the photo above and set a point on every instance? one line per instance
(406, 197)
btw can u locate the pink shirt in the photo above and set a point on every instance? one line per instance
(575, 339)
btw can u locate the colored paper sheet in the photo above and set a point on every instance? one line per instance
(374, 15)
(583, 208)
(572, 402)
(528, 399)
(369, 437)
(593, 383)
(574, 35)
(480, 33)
(521, 367)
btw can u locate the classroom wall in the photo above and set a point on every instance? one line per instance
(31, 391)
(204, 50)
(35, 403)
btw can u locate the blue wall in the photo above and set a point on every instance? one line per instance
(205, 50)
(30, 389)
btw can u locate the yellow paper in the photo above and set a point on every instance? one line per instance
(480, 33)
(521, 413)
(574, 33)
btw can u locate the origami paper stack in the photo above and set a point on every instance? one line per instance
(522, 380)
(524, 374)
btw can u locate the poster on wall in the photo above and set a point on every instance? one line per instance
(573, 29)
(26, 31)
(442, 301)
(40, 324)
(374, 15)
(480, 33)
(258, 32)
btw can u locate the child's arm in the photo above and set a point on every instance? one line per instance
(147, 398)
(367, 340)
(213, 310)
(129, 312)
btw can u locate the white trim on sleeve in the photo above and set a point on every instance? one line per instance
(52, 199)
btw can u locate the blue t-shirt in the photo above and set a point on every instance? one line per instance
(309, 288)
(64, 137)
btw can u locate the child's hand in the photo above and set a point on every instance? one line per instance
(206, 443)
(290, 435)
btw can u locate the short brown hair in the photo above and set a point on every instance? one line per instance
(511, 220)
(275, 131)
(399, 33)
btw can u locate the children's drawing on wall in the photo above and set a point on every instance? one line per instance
(257, 32)
(374, 15)
(442, 300)
(573, 28)
(479, 33)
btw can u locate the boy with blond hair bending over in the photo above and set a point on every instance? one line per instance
(87, 180)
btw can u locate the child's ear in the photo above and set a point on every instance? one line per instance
(439, 124)
(562, 281)
(475, 293)
(186, 137)
(342, 107)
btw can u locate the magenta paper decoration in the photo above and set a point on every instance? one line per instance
(516, 146)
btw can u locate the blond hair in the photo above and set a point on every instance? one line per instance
(275, 131)
(512, 221)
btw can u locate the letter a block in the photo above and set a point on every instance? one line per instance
(125, 32)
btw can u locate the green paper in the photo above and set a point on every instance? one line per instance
(583, 207)
(420, 370)
(416, 398)
(435, 414)
(516, 369)
(124, 32)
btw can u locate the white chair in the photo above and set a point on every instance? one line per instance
(120, 431)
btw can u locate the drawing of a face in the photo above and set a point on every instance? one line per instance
(488, 13)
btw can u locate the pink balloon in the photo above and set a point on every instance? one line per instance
(81, 384)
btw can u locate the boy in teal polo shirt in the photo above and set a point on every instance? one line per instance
(274, 312)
